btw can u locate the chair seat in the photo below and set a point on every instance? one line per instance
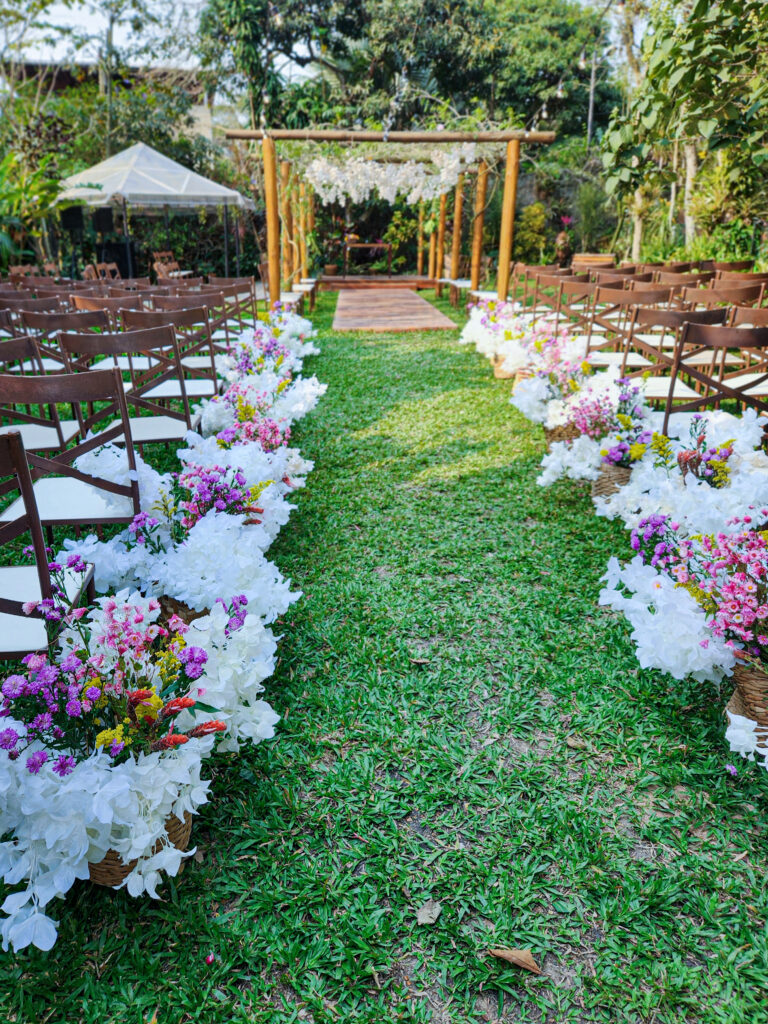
(201, 388)
(197, 362)
(634, 359)
(658, 387)
(291, 298)
(49, 366)
(63, 500)
(705, 359)
(744, 379)
(301, 287)
(460, 282)
(149, 429)
(39, 438)
(21, 583)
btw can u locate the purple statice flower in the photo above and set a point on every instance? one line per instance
(36, 761)
(65, 765)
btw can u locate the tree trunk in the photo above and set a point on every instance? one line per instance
(637, 226)
(691, 167)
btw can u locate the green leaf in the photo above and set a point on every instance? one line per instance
(706, 127)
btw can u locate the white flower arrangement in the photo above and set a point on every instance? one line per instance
(56, 826)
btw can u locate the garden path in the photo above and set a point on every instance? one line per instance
(388, 309)
(461, 724)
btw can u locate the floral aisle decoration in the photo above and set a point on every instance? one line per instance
(103, 777)
(104, 705)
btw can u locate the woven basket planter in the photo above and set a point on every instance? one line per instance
(752, 693)
(497, 370)
(170, 606)
(112, 871)
(566, 432)
(611, 479)
(521, 375)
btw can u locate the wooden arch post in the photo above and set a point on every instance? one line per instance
(285, 216)
(440, 257)
(273, 218)
(420, 243)
(458, 209)
(477, 227)
(507, 235)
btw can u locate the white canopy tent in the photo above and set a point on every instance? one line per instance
(142, 177)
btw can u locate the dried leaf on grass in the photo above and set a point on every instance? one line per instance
(575, 743)
(429, 912)
(519, 957)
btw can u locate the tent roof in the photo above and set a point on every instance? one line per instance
(143, 177)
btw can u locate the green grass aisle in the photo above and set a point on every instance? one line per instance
(461, 723)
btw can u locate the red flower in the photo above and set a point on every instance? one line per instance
(173, 707)
(138, 697)
(206, 728)
(170, 741)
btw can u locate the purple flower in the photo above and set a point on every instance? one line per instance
(36, 761)
(64, 765)
(73, 708)
(14, 686)
(731, 769)
(115, 748)
(8, 739)
(71, 663)
(93, 693)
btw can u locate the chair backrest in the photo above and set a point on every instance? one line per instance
(109, 305)
(738, 277)
(48, 305)
(725, 295)
(49, 324)
(681, 279)
(749, 316)
(110, 271)
(665, 324)
(594, 259)
(20, 355)
(94, 397)
(90, 273)
(7, 324)
(614, 278)
(675, 267)
(737, 265)
(193, 333)
(16, 477)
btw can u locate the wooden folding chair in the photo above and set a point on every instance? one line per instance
(8, 326)
(46, 326)
(151, 358)
(654, 334)
(65, 495)
(611, 316)
(715, 384)
(614, 278)
(193, 331)
(246, 294)
(682, 279)
(113, 307)
(546, 293)
(738, 277)
(575, 305)
(20, 634)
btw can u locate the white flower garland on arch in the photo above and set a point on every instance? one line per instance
(358, 178)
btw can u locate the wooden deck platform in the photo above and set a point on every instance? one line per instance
(354, 282)
(387, 310)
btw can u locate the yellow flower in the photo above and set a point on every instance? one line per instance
(624, 420)
(117, 735)
(283, 384)
(637, 451)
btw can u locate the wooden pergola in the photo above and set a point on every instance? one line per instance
(513, 139)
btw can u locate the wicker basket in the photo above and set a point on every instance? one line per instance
(566, 432)
(497, 370)
(752, 693)
(611, 479)
(170, 606)
(112, 871)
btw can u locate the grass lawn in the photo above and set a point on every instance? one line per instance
(461, 723)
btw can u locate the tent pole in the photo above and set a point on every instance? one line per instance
(458, 205)
(127, 240)
(477, 228)
(440, 260)
(303, 230)
(237, 241)
(226, 240)
(508, 217)
(273, 218)
(167, 228)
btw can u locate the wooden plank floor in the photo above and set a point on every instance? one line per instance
(387, 310)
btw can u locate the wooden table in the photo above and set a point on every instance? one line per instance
(368, 245)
